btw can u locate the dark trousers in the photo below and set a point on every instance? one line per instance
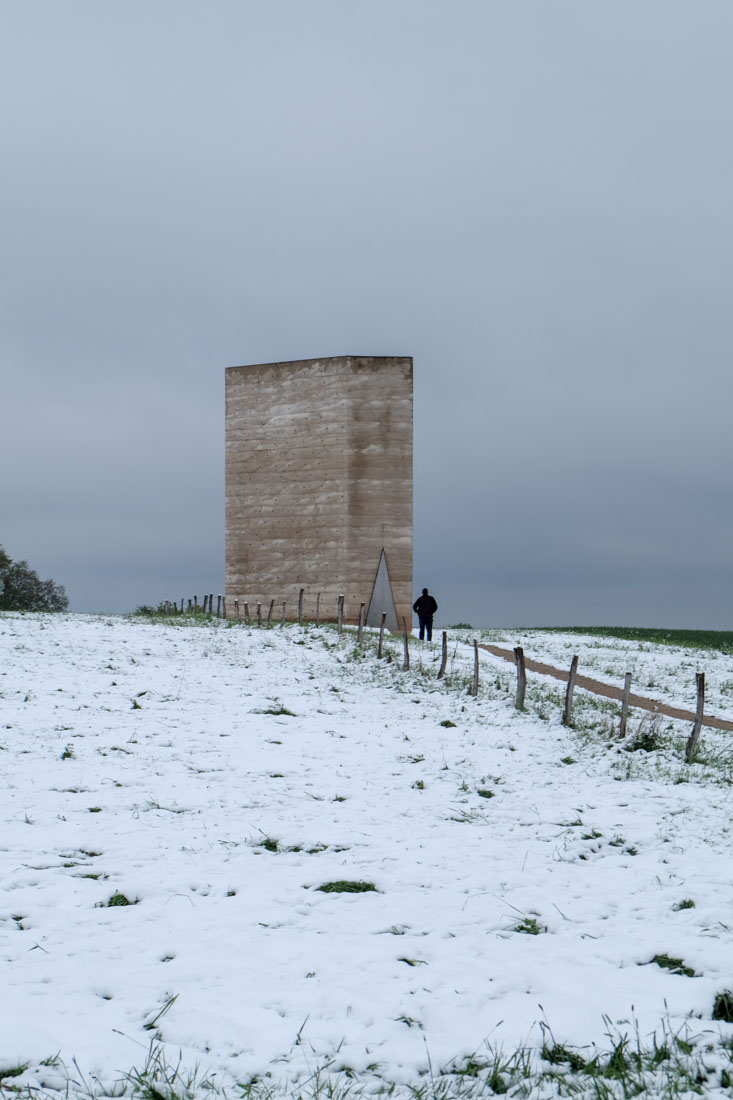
(426, 623)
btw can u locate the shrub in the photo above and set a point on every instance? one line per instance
(21, 589)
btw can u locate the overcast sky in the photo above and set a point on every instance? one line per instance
(533, 199)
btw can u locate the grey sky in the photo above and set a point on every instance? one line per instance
(532, 199)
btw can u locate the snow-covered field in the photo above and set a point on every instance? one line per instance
(216, 776)
(664, 672)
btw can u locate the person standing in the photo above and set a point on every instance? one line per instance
(425, 607)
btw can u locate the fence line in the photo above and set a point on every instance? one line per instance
(517, 657)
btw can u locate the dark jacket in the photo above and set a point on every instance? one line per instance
(425, 607)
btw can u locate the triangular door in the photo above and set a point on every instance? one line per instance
(382, 599)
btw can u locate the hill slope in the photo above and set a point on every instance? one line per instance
(215, 777)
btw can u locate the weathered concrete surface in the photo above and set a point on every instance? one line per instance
(318, 481)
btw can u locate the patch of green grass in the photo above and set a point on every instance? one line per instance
(677, 966)
(529, 926)
(568, 760)
(270, 844)
(447, 724)
(346, 886)
(723, 1007)
(484, 792)
(68, 753)
(95, 809)
(117, 899)
(720, 640)
(12, 1071)
(279, 710)
(686, 903)
(558, 1055)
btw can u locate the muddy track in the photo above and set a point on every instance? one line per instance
(597, 687)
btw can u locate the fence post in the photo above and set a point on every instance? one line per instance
(521, 678)
(211, 603)
(269, 613)
(381, 635)
(474, 688)
(236, 609)
(361, 623)
(300, 607)
(695, 735)
(259, 614)
(443, 656)
(318, 609)
(567, 714)
(282, 623)
(341, 614)
(223, 607)
(246, 613)
(625, 705)
(195, 603)
(406, 659)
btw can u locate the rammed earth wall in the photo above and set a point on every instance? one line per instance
(318, 481)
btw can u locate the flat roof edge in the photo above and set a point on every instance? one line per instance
(316, 359)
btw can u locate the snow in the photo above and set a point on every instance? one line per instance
(140, 758)
(664, 672)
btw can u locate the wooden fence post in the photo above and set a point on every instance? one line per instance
(259, 614)
(625, 705)
(695, 735)
(246, 613)
(218, 606)
(341, 615)
(211, 603)
(195, 603)
(443, 656)
(269, 613)
(223, 607)
(406, 658)
(236, 609)
(282, 621)
(567, 714)
(318, 609)
(381, 635)
(181, 604)
(300, 607)
(361, 624)
(474, 688)
(521, 678)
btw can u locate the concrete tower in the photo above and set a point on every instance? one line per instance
(319, 485)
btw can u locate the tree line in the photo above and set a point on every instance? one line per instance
(21, 589)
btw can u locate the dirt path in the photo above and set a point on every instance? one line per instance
(609, 691)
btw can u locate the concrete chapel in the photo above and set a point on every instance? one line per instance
(319, 485)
